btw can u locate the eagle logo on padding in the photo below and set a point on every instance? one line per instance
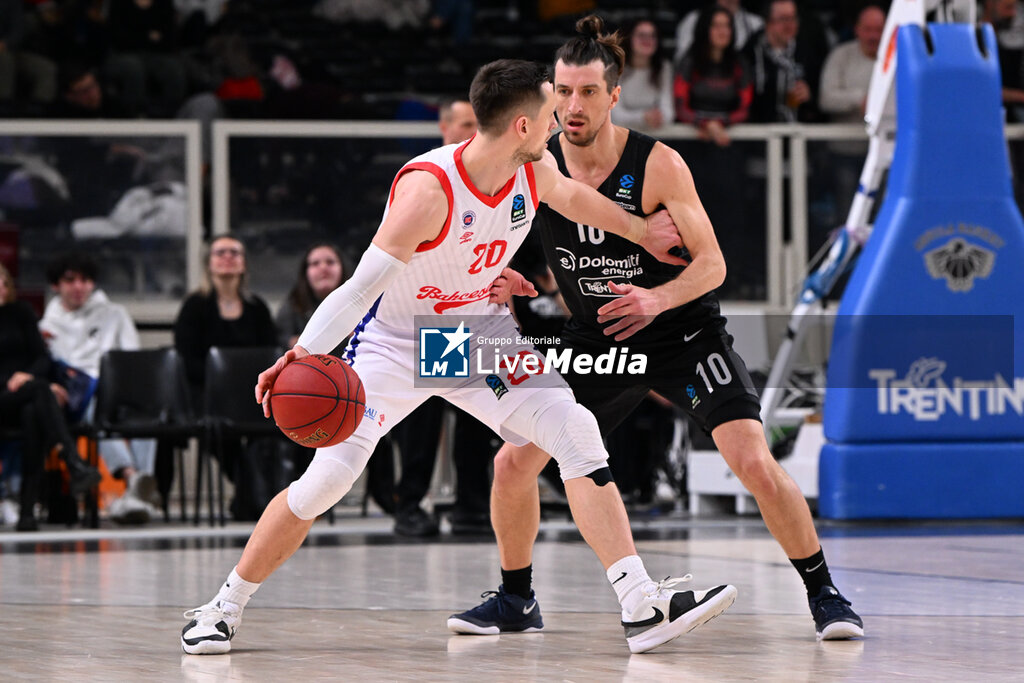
(959, 262)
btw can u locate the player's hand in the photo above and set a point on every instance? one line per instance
(661, 236)
(509, 284)
(266, 380)
(634, 310)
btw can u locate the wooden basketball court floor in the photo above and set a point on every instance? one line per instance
(940, 601)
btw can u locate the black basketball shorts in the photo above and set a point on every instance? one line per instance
(704, 376)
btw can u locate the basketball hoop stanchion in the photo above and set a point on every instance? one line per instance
(880, 122)
(924, 402)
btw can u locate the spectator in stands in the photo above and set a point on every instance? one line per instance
(844, 92)
(151, 77)
(712, 84)
(29, 402)
(83, 95)
(80, 324)
(645, 101)
(456, 120)
(37, 73)
(1007, 19)
(457, 15)
(786, 61)
(224, 313)
(745, 25)
(321, 271)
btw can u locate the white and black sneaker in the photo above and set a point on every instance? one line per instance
(665, 613)
(211, 628)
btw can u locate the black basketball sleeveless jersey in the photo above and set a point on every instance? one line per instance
(584, 259)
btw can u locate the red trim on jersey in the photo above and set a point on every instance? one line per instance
(533, 184)
(485, 198)
(446, 185)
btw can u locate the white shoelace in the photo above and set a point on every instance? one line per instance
(665, 584)
(210, 613)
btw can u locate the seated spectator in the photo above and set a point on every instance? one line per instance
(786, 61)
(844, 92)
(224, 313)
(84, 95)
(712, 84)
(456, 15)
(29, 401)
(645, 100)
(151, 77)
(745, 25)
(81, 324)
(37, 73)
(321, 271)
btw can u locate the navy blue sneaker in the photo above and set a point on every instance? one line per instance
(500, 612)
(833, 617)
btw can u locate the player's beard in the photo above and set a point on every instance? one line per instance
(584, 139)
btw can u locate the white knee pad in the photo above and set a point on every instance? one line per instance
(329, 477)
(566, 430)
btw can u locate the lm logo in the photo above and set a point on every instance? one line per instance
(444, 351)
(518, 208)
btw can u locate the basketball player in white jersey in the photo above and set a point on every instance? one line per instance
(454, 218)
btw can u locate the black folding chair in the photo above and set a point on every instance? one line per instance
(229, 406)
(143, 394)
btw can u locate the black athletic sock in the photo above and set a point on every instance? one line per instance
(814, 571)
(517, 581)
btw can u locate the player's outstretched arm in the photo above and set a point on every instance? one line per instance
(417, 214)
(578, 202)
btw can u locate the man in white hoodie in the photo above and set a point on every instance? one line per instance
(81, 324)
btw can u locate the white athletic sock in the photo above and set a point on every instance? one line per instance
(628, 577)
(237, 590)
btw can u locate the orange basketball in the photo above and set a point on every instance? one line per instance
(317, 401)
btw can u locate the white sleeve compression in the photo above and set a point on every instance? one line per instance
(343, 308)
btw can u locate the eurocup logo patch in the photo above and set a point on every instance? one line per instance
(518, 208)
(468, 218)
(444, 351)
(625, 190)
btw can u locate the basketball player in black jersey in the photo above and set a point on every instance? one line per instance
(617, 294)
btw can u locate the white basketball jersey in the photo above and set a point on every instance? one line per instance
(453, 273)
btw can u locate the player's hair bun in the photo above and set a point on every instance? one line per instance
(590, 26)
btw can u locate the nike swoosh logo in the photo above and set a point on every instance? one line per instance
(808, 571)
(656, 619)
(688, 337)
(619, 579)
(527, 610)
(445, 305)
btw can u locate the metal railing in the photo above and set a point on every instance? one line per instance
(785, 154)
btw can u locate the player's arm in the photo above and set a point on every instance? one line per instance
(417, 214)
(581, 203)
(668, 181)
